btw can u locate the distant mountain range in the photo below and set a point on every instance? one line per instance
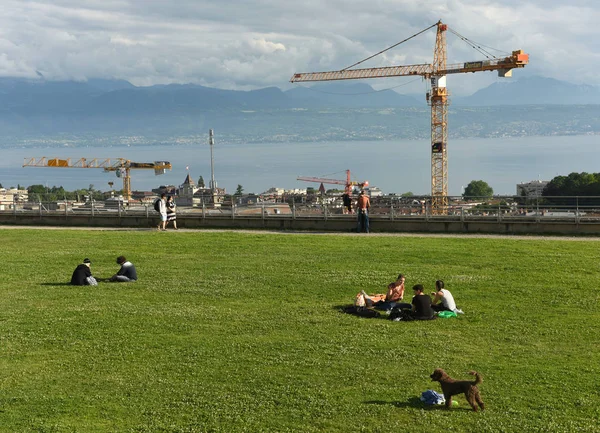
(105, 97)
(532, 91)
(34, 111)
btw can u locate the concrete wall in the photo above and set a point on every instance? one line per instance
(438, 224)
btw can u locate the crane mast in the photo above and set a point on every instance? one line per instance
(437, 98)
(439, 124)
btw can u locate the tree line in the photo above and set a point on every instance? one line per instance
(571, 190)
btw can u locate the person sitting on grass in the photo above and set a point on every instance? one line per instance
(395, 293)
(82, 275)
(420, 307)
(126, 273)
(421, 304)
(443, 299)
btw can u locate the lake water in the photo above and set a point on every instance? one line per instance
(394, 166)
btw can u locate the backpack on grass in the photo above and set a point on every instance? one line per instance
(157, 205)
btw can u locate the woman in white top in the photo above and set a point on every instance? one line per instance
(443, 299)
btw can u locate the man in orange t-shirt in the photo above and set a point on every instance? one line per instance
(363, 206)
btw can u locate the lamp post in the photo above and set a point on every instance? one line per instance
(211, 142)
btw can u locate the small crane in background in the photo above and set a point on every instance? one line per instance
(348, 183)
(122, 167)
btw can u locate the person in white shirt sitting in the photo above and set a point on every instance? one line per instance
(443, 299)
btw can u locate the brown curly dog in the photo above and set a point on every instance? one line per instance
(452, 387)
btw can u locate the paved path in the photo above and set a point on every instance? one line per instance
(290, 232)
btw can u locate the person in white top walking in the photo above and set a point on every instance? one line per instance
(162, 209)
(443, 299)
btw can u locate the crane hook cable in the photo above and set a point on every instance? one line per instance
(389, 48)
(477, 46)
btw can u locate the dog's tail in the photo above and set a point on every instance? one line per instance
(478, 378)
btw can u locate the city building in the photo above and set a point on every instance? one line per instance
(188, 194)
(531, 189)
(373, 191)
(12, 195)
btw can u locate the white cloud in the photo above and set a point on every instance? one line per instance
(252, 44)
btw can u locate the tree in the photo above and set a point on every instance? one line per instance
(36, 189)
(574, 184)
(407, 194)
(239, 190)
(571, 186)
(478, 188)
(201, 183)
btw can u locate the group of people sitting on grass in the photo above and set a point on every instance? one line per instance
(82, 275)
(422, 307)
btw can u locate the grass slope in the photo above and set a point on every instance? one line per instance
(230, 332)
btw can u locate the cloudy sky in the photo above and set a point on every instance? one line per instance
(248, 44)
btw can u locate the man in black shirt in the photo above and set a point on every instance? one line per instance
(421, 304)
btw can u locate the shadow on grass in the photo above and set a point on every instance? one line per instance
(416, 403)
(62, 283)
(413, 402)
(359, 311)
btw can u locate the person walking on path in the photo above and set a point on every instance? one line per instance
(363, 206)
(171, 213)
(162, 209)
(347, 203)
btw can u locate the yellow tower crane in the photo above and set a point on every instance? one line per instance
(437, 98)
(122, 167)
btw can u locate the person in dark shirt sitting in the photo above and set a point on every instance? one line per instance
(126, 273)
(421, 305)
(82, 275)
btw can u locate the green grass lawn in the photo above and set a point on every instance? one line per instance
(229, 332)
